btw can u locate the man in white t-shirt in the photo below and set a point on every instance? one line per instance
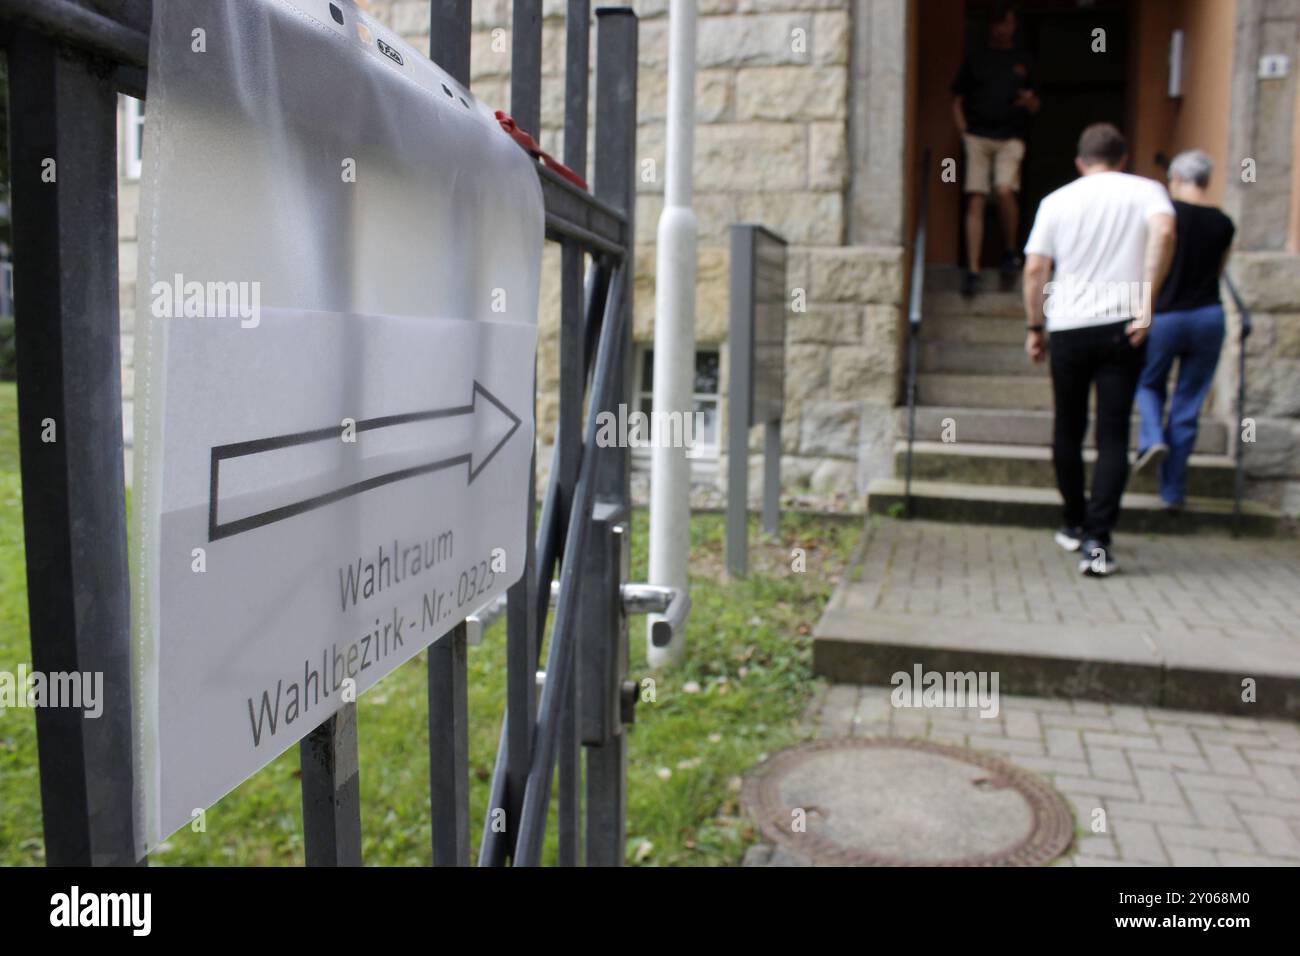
(1097, 254)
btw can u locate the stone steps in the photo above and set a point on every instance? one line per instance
(1041, 507)
(979, 358)
(997, 469)
(984, 391)
(1000, 426)
(1118, 663)
(1030, 466)
(936, 304)
(983, 329)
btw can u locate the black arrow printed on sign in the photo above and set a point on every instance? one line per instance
(220, 453)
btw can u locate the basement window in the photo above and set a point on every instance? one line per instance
(707, 366)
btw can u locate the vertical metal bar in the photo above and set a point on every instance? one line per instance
(1239, 458)
(577, 67)
(522, 648)
(523, 621)
(740, 398)
(602, 666)
(331, 791)
(772, 477)
(913, 357)
(915, 311)
(492, 848)
(569, 812)
(449, 748)
(568, 460)
(448, 678)
(607, 802)
(449, 36)
(526, 65)
(572, 386)
(64, 178)
(614, 182)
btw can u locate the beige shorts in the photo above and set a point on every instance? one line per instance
(1001, 157)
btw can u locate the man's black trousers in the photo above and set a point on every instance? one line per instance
(1100, 354)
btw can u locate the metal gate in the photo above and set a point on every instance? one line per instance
(68, 60)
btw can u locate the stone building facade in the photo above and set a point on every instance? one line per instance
(809, 122)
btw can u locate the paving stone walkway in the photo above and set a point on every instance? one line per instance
(1224, 586)
(1182, 624)
(1178, 788)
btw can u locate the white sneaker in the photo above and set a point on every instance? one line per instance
(1069, 538)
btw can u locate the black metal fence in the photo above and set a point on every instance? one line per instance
(67, 63)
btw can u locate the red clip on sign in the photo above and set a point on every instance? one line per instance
(534, 149)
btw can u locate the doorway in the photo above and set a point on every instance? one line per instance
(1079, 81)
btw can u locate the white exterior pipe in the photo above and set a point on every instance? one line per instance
(674, 344)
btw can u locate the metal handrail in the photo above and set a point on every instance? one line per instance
(1239, 472)
(914, 312)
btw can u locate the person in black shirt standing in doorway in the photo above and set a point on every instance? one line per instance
(1188, 327)
(993, 104)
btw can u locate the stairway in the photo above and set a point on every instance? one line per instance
(976, 384)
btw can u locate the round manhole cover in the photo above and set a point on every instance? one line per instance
(893, 802)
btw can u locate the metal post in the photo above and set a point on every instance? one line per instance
(331, 791)
(740, 397)
(915, 310)
(772, 478)
(674, 356)
(604, 626)
(523, 625)
(526, 65)
(449, 748)
(602, 666)
(63, 131)
(448, 680)
(449, 36)
(614, 182)
(572, 386)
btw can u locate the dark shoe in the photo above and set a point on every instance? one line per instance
(1069, 538)
(1150, 457)
(1098, 560)
(970, 284)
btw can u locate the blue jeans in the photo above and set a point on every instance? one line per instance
(1193, 337)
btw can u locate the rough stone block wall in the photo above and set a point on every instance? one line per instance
(1270, 287)
(1262, 127)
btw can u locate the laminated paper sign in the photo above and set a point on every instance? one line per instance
(336, 331)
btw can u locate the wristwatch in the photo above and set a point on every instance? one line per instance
(1034, 328)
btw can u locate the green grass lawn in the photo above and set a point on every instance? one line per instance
(739, 694)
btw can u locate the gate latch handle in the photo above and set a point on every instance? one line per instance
(673, 603)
